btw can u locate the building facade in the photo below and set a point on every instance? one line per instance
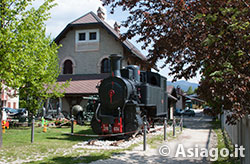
(86, 44)
(9, 97)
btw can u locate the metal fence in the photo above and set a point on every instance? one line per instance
(239, 134)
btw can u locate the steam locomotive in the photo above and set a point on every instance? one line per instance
(128, 97)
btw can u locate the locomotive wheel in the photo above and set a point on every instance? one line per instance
(96, 126)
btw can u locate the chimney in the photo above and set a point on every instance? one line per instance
(100, 13)
(117, 27)
(115, 65)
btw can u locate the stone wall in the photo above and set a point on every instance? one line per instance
(89, 62)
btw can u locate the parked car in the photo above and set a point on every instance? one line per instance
(178, 112)
(10, 111)
(207, 110)
(189, 112)
(22, 112)
(15, 113)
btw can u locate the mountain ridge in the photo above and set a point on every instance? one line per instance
(184, 85)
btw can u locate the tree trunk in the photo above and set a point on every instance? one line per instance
(32, 128)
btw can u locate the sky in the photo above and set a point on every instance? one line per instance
(67, 11)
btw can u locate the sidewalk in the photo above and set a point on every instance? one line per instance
(196, 134)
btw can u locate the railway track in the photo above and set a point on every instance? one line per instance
(107, 142)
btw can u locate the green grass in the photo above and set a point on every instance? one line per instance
(55, 147)
(76, 157)
(223, 141)
(52, 147)
(157, 140)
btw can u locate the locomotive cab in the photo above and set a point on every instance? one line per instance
(131, 72)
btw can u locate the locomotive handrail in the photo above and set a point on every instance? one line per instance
(146, 105)
(96, 111)
(124, 105)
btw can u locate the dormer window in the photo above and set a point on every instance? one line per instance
(87, 35)
(87, 40)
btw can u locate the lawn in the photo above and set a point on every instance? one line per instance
(54, 146)
(223, 141)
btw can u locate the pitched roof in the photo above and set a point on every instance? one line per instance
(194, 98)
(82, 87)
(82, 84)
(170, 89)
(82, 77)
(88, 18)
(92, 18)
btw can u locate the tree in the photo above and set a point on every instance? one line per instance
(28, 58)
(190, 90)
(207, 36)
(195, 90)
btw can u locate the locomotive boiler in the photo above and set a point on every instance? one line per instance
(128, 97)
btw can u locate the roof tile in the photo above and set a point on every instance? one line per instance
(91, 17)
(88, 18)
(82, 86)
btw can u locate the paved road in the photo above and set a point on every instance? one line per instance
(197, 134)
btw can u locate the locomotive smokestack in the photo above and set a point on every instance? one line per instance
(115, 65)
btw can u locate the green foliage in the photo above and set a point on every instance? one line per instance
(29, 59)
(211, 37)
(190, 90)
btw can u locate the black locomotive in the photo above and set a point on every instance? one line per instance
(127, 97)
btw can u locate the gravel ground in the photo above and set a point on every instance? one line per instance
(111, 145)
(197, 133)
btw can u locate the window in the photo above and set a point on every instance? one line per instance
(87, 35)
(9, 104)
(82, 36)
(14, 105)
(68, 67)
(87, 40)
(92, 36)
(105, 67)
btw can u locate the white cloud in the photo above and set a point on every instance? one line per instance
(67, 11)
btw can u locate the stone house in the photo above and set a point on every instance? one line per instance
(172, 100)
(9, 97)
(185, 100)
(87, 43)
(180, 104)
